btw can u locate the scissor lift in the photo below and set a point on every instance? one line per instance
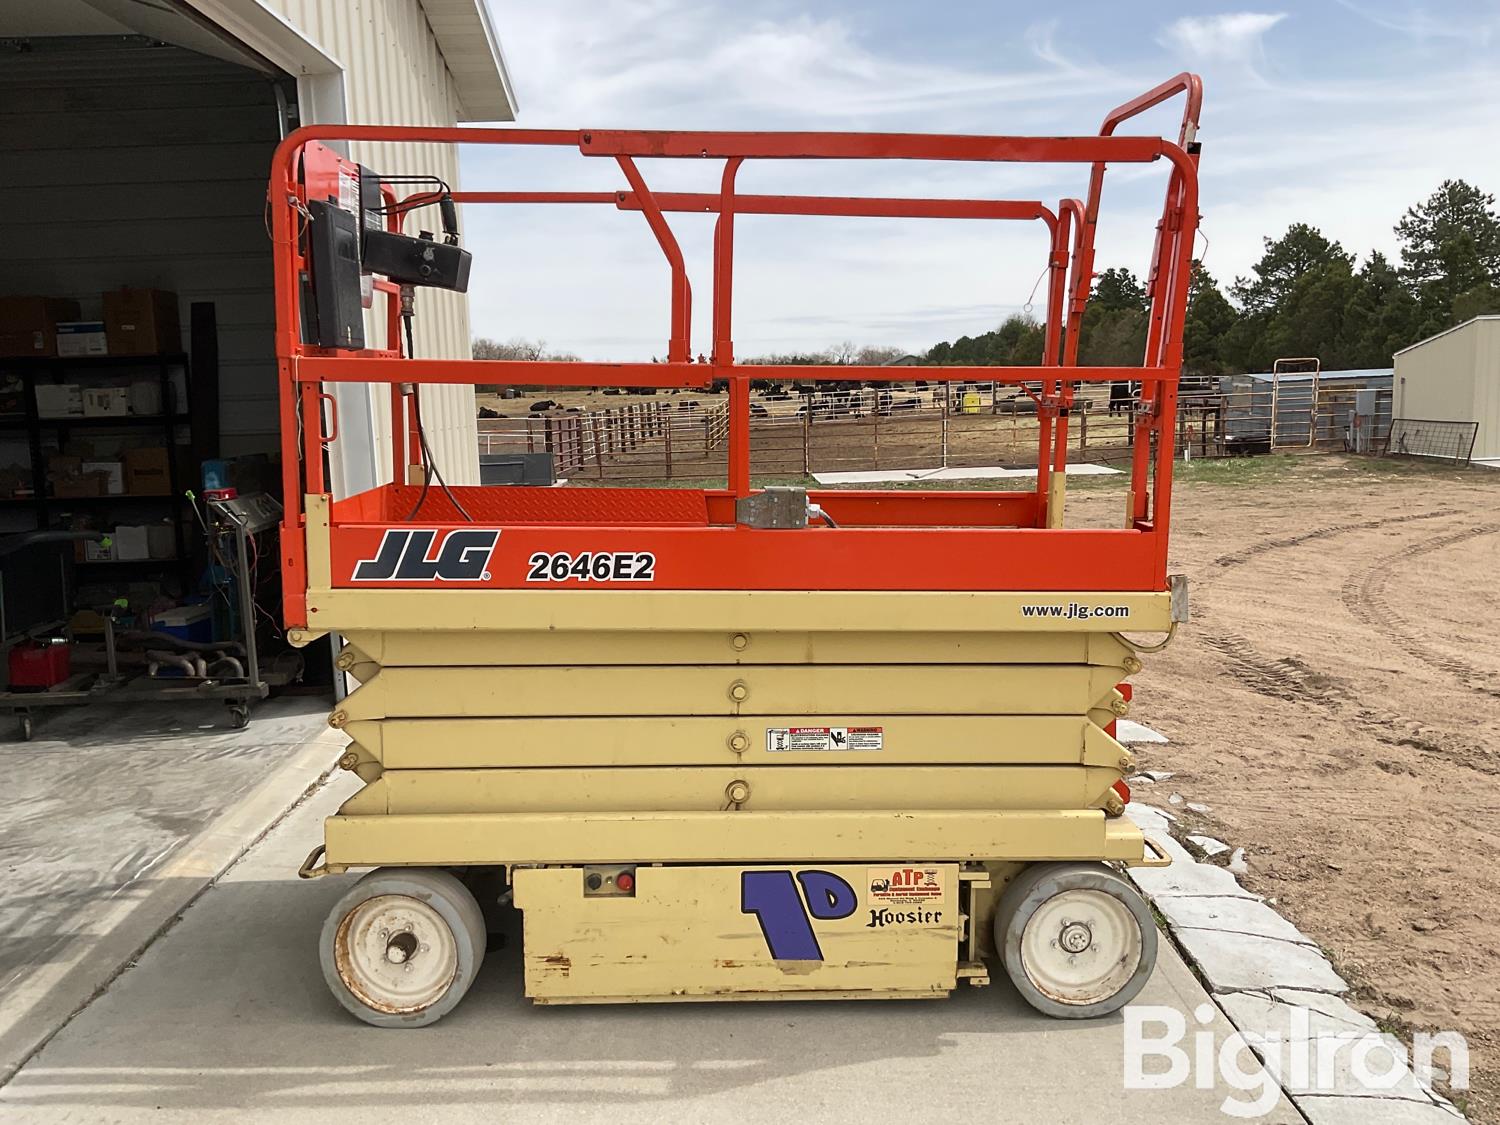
(735, 743)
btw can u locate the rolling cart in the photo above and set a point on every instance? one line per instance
(209, 670)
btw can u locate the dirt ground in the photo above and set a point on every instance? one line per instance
(1336, 704)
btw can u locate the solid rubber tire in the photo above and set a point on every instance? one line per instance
(1039, 882)
(447, 895)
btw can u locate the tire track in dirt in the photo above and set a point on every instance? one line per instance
(1287, 677)
(1238, 558)
(1284, 677)
(1293, 680)
(1364, 596)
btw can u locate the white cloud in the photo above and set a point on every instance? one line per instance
(1416, 22)
(1234, 37)
(1318, 137)
(649, 61)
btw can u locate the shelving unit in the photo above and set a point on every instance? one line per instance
(169, 426)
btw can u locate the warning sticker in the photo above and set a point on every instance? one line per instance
(349, 189)
(905, 886)
(825, 738)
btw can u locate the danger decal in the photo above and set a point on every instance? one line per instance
(779, 739)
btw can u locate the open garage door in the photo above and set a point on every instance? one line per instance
(134, 163)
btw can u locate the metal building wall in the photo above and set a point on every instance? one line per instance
(395, 75)
(1455, 377)
(1487, 387)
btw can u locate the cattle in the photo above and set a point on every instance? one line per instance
(1121, 395)
(545, 404)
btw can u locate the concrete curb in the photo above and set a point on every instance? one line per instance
(1276, 987)
(41, 1004)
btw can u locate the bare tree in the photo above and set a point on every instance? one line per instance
(516, 347)
(877, 355)
(843, 352)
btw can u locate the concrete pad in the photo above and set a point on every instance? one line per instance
(1232, 962)
(1149, 819)
(1132, 733)
(112, 827)
(1385, 1075)
(995, 472)
(1264, 1016)
(1208, 845)
(1185, 877)
(868, 476)
(1230, 914)
(1336, 1009)
(978, 472)
(226, 1019)
(1372, 1111)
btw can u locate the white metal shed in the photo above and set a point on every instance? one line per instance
(1455, 377)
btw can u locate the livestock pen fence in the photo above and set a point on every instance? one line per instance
(601, 442)
(914, 425)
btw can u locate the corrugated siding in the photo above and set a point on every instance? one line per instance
(396, 76)
(1437, 379)
(87, 204)
(1487, 388)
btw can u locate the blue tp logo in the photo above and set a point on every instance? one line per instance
(785, 919)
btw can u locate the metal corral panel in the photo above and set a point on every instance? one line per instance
(1455, 377)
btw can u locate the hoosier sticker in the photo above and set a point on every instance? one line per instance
(825, 738)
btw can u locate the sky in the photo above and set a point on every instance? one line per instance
(1339, 113)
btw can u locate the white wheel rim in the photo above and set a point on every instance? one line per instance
(396, 954)
(1081, 947)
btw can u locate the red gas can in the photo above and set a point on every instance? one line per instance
(38, 665)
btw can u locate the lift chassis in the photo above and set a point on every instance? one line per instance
(734, 743)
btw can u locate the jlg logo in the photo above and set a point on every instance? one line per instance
(411, 556)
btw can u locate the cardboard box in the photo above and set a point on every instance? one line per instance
(81, 337)
(60, 466)
(106, 402)
(78, 484)
(59, 400)
(113, 472)
(28, 325)
(147, 472)
(141, 322)
(132, 542)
